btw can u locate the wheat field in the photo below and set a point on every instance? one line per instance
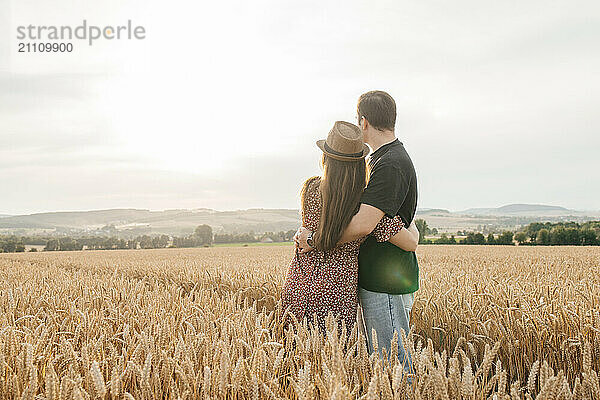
(490, 322)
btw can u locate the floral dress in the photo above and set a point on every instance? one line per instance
(323, 281)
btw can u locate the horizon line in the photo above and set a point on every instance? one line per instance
(276, 208)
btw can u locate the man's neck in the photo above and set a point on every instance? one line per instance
(381, 139)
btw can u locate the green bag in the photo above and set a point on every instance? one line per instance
(386, 268)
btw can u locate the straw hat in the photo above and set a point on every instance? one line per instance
(344, 142)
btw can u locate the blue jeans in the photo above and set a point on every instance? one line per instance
(387, 313)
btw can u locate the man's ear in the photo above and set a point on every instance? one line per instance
(364, 124)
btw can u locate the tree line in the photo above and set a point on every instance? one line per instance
(505, 238)
(201, 237)
(536, 233)
(560, 233)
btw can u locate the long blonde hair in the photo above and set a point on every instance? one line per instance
(342, 185)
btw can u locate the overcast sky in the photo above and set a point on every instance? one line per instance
(220, 105)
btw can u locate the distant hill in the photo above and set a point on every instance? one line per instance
(179, 222)
(510, 217)
(430, 211)
(4, 215)
(522, 210)
(176, 222)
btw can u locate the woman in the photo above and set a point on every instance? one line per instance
(326, 278)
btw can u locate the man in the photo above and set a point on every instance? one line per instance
(388, 276)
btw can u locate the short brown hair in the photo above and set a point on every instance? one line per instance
(379, 108)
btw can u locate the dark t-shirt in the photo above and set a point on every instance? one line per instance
(392, 186)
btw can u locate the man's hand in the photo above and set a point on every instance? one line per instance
(295, 238)
(300, 239)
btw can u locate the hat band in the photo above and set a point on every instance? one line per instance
(337, 153)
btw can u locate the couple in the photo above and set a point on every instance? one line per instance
(358, 237)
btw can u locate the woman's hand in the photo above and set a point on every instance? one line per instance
(407, 239)
(414, 230)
